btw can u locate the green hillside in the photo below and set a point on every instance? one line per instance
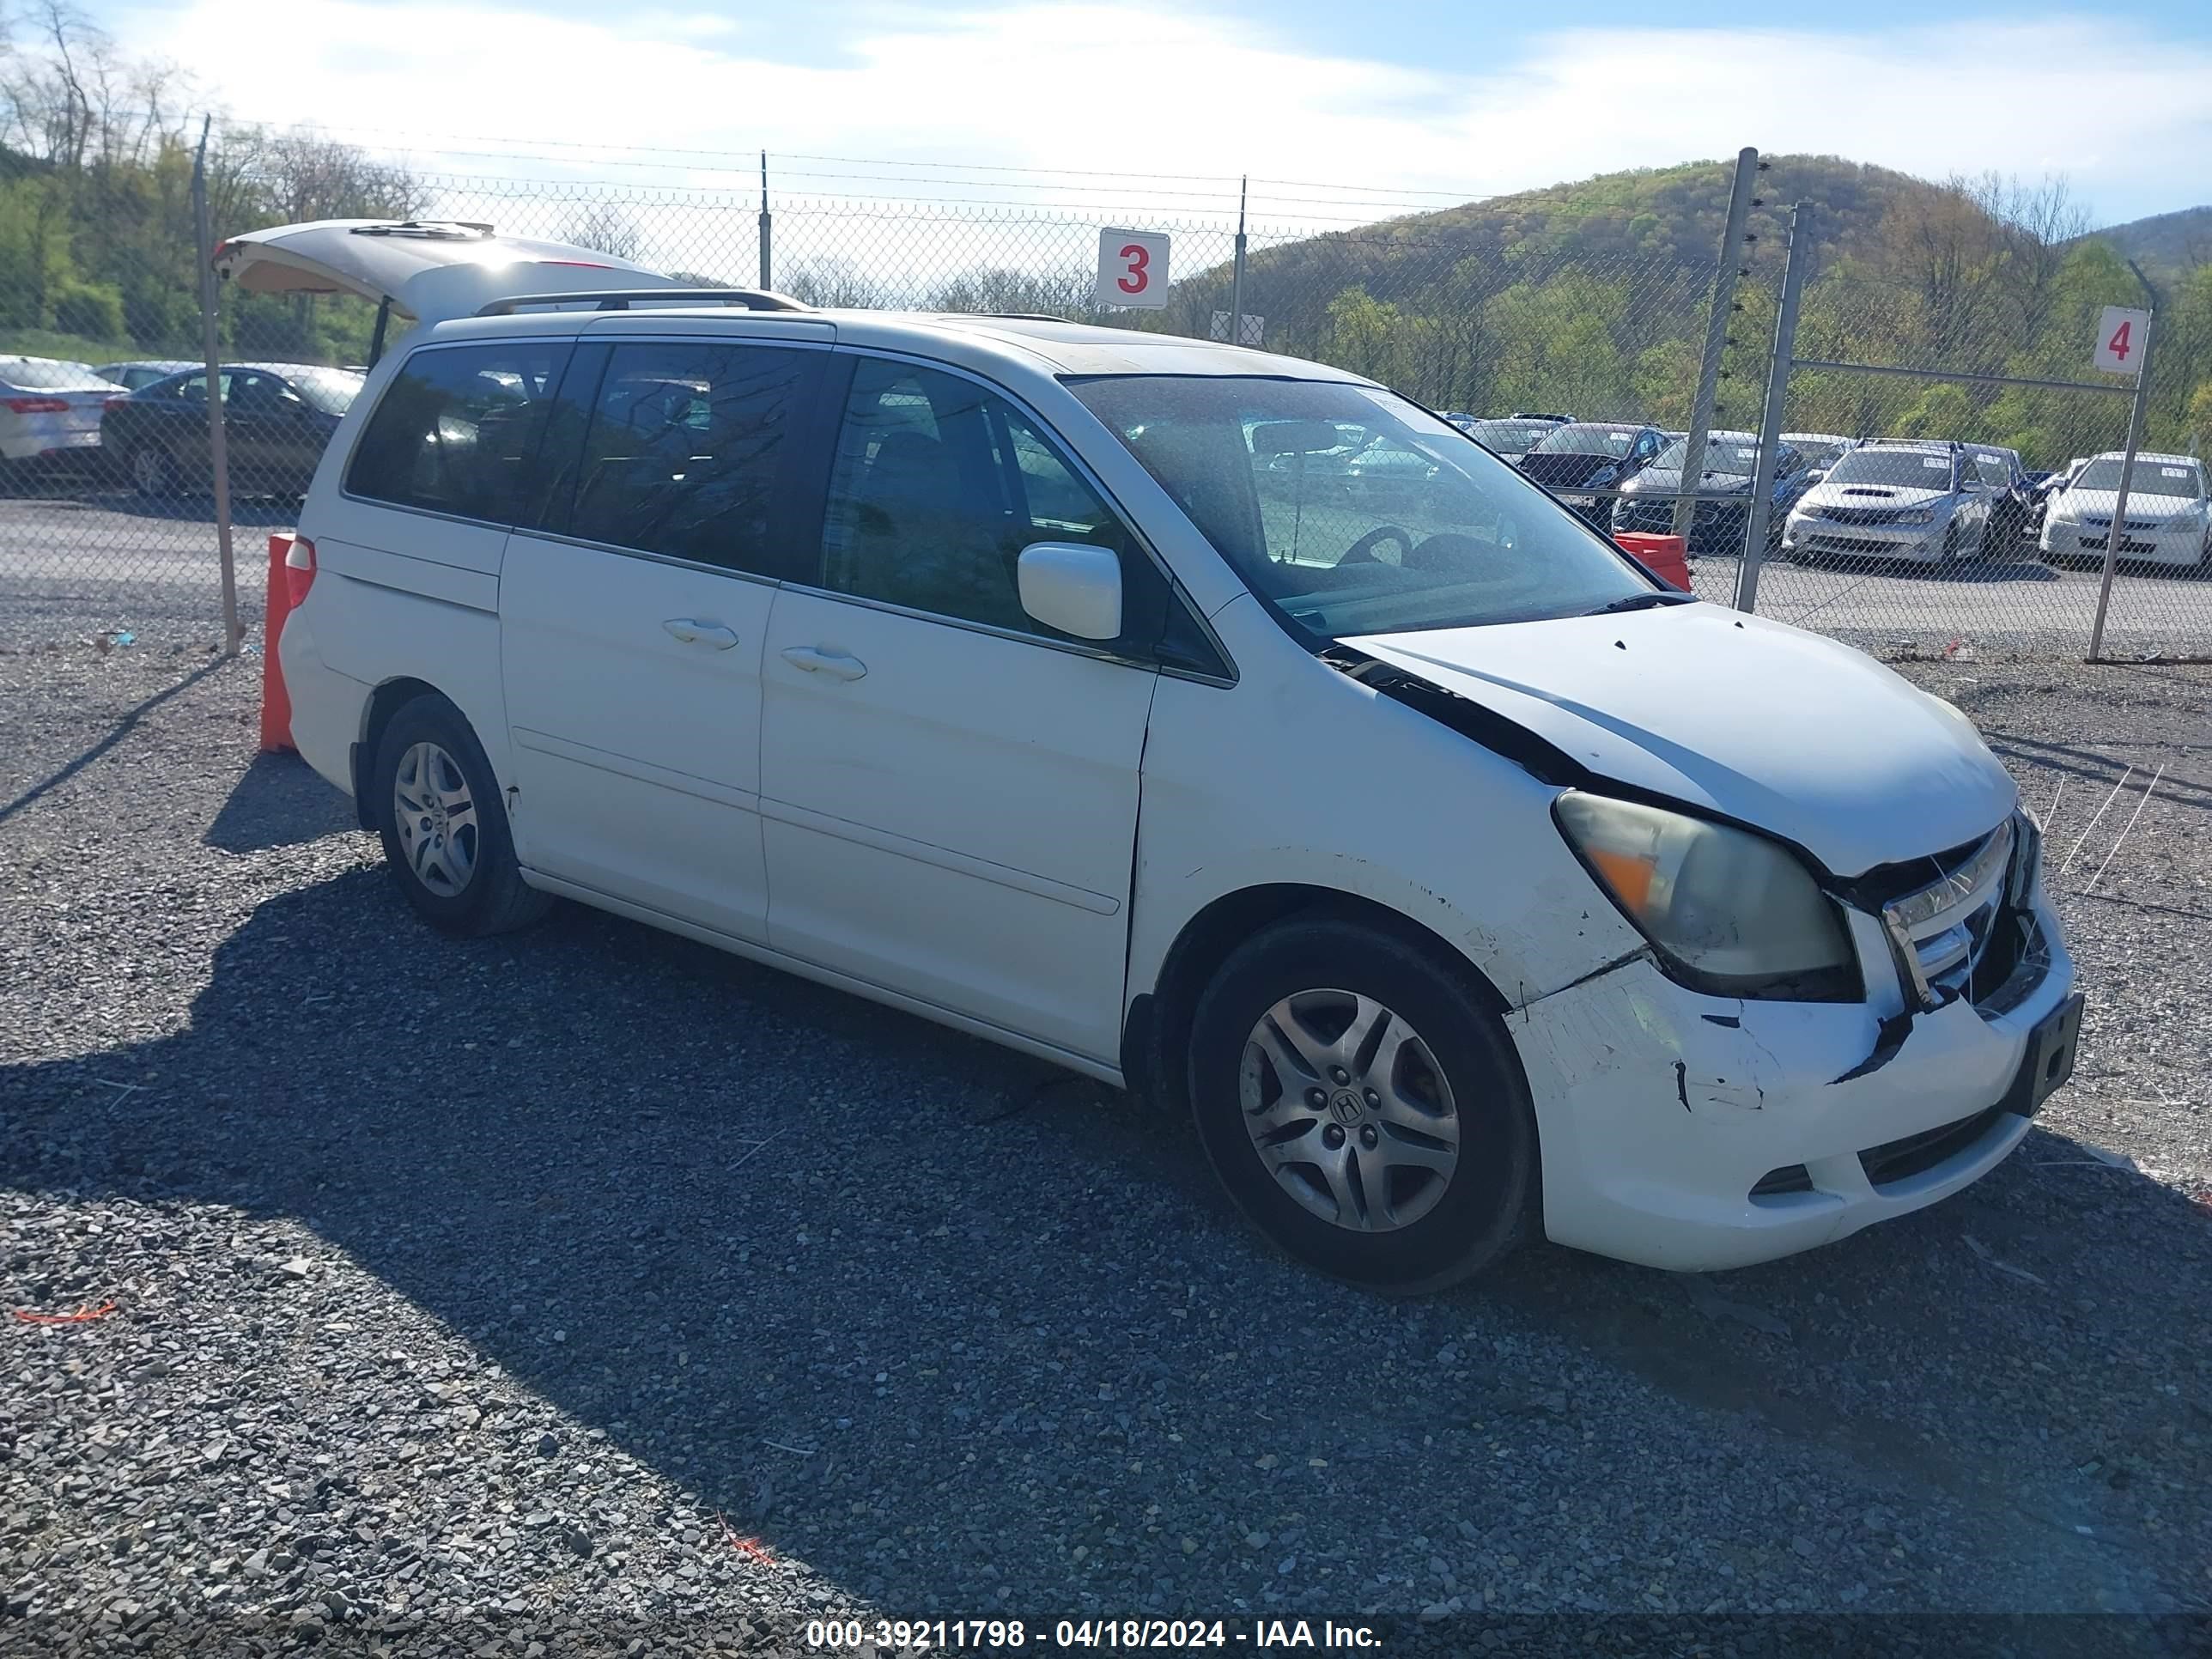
(2168, 246)
(1592, 296)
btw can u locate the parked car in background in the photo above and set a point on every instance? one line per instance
(277, 419)
(50, 417)
(1914, 499)
(1587, 455)
(143, 372)
(1647, 505)
(1819, 449)
(2169, 521)
(2011, 497)
(1510, 437)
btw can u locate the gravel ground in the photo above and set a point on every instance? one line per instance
(588, 1286)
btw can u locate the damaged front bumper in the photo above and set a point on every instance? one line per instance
(1697, 1133)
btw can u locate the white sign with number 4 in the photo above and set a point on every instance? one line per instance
(2120, 339)
(1132, 268)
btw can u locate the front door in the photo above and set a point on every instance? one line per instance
(632, 626)
(949, 788)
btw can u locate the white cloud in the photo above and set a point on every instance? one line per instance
(1146, 89)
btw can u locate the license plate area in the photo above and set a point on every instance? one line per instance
(2050, 1058)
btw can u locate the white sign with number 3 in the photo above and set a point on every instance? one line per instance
(1132, 268)
(2120, 339)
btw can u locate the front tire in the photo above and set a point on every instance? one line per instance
(1363, 1106)
(443, 825)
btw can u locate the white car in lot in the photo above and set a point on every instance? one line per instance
(1915, 501)
(1458, 878)
(50, 413)
(2169, 520)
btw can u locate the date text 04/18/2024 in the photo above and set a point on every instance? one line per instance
(1012, 1635)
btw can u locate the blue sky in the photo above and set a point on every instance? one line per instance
(1407, 105)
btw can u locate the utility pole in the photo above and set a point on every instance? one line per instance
(1748, 167)
(1777, 389)
(212, 344)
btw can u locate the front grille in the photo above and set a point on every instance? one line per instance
(1916, 1154)
(2127, 545)
(1866, 514)
(1851, 545)
(2106, 523)
(1947, 923)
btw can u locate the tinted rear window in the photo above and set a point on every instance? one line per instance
(457, 428)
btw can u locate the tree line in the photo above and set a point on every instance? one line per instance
(1589, 297)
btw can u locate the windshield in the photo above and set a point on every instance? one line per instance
(2151, 477)
(1996, 470)
(44, 375)
(1587, 440)
(1510, 437)
(1732, 453)
(1899, 469)
(1446, 536)
(330, 390)
(1819, 451)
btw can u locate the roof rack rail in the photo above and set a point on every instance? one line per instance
(621, 299)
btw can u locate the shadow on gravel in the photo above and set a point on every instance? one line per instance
(933, 1317)
(122, 730)
(279, 801)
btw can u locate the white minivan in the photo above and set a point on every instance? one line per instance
(1063, 685)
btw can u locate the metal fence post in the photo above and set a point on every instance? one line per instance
(1716, 328)
(2118, 532)
(1237, 272)
(218, 449)
(1770, 424)
(765, 238)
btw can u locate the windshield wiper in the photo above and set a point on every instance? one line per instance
(1641, 602)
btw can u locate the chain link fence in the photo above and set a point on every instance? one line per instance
(112, 532)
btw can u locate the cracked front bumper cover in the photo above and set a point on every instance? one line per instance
(1662, 1109)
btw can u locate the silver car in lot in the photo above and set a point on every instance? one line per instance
(1918, 500)
(50, 412)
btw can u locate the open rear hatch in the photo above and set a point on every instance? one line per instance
(425, 270)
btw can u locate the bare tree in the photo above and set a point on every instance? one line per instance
(606, 228)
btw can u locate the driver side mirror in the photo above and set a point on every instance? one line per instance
(1816, 475)
(1073, 587)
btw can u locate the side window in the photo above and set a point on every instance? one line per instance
(457, 428)
(937, 487)
(684, 447)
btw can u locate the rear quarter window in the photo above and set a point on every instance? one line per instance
(457, 428)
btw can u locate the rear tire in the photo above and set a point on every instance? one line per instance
(152, 472)
(1429, 1091)
(444, 824)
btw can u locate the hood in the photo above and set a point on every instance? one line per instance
(1666, 481)
(1548, 467)
(1886, 497)
(2142, 503)
(1797, 734)
(429, 270)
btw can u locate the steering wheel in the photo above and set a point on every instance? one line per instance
(1448, 549)
(1362, 550)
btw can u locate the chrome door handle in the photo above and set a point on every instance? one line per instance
(816, 660)
(686, 631)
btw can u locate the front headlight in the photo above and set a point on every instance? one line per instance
(1918, 515)
(2188, 519)
(1730, 913)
